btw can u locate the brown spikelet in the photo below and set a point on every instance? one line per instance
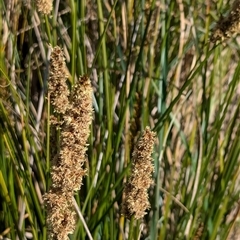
(135, 125)
(68, 171)
(60, 215)
(57, 86)
(227, 26)
(136, 197)
(67, 165)
(199, 232)
(44, 6)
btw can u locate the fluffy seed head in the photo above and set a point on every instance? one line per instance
(136, 197)
(44, 6)
(67, 164)
(57, 86)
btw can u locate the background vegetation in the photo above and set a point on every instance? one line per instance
(151, 64)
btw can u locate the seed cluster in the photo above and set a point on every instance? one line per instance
(44, 6)
(75, 112)
(136, 190)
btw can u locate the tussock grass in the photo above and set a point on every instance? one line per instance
(151, 63)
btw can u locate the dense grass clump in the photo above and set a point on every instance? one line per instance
(119, 119)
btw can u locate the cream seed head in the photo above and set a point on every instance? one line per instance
(57, 86)
(60, 215)
(136, 197)
(68, 164)
(44, 6)
(76, 131)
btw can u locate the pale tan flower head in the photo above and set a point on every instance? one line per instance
(67, 165)
(57, 86)
(136, 197)
(44, 6)
(61, 217)
(69, 171)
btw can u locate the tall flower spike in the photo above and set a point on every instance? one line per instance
(227, 26)
(136, 197)
(61, 217)
(44, 6)
(67, 170)
(75, 131)
(57, 86)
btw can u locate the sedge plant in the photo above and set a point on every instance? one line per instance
(119, 119)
